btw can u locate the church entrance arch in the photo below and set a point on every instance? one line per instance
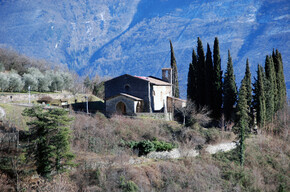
(121, 108)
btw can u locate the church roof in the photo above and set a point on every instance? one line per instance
(154, 80)
(126, 95)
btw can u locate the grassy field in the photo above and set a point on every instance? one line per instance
(13, 115)
(13, 112)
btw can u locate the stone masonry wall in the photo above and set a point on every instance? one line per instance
(5, 98)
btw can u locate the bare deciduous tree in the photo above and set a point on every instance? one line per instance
(194, 115)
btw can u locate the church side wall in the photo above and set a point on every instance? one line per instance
(160, 96)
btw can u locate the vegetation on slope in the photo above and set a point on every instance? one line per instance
(105, 165)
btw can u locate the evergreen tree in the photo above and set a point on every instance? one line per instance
(50, 140)
(201, 87)
(175, 85)
(243, 118)
(217, 82)
(230, 90)
(259, 97)
(270, 89)
(209, 78)
(248, 84)
(280, 80)
(192, 79)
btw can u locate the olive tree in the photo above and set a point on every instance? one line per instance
(15, 82)
(4, 81)
(30, 80)
(67, 81)
(57, 81)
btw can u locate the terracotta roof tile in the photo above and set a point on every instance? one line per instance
(154, 80)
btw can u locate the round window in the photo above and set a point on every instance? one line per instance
(127, 87)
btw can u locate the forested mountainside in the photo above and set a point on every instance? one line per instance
(116, 37)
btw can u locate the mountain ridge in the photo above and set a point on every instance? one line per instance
(112, 38)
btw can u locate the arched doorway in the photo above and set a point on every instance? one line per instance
(121, 108)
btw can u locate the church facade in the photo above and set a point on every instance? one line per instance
(128, 95)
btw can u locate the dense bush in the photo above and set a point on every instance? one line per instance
(145, 146)
(45, 99)
(128, 186)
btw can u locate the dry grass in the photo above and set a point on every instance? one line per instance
(103, 163)
(14, 116)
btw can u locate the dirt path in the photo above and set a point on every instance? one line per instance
(94, 161)
(179, 153)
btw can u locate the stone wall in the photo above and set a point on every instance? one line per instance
(165, 116)
(24, 97)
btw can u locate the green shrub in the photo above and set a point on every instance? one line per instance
(128, 186)
(163, 146)
(146, 146)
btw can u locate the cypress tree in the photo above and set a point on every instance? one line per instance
(248, 86)
(280, 80)
(259, 97)
(230, 90)
(175, 89)
(270, 90)
(248, 83)
(283, 83)
(209, 78)
(217, 82)
(192, 79)
(201, 87)
(243, 118)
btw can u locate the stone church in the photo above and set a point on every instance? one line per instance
(129, 95)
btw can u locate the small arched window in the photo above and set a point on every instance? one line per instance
(127, 87)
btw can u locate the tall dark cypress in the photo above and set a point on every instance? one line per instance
(192, 79)
(201, 97)
(248, 84)
(243, 119)
(175, 89)
(209, 78)
(259, 97)
(230, 90)
(270, 88)
(280, 80)
(217, 82)
(284, 91)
